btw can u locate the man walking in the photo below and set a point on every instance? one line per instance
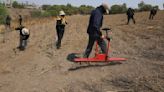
(130, 15)
(153, 12)
(95, 23)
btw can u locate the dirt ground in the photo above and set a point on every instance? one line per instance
(43, 68)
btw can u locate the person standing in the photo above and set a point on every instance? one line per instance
(8, 23)
(130, 15)
(94, 33)
(24, 36)
(60, 28)
(153, 12)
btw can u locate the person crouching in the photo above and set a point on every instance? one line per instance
(60, 28)
(24, 36)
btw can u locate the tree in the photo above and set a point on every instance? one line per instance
(118, 9)
(17, 5)
(157, 7)
(53, 10)
(83, 9)
(45, 7)
(124, 7)
(141, 4)
(144, 7)
(3, 13)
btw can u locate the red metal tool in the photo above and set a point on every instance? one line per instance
(101, 57)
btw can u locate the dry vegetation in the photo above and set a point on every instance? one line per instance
(42, 68)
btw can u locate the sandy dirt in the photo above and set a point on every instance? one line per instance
(43, 68)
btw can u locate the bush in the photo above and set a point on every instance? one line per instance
(83, 9)
(144, 7)
(68, 9)
(115, 9)
(17, 5)
(3, 13)
(38, 13)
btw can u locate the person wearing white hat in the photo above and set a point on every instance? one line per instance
(60, 28)
(95, 23)
(24, 36)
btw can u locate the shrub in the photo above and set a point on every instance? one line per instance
(17, 5)
(3, 13)
(115, 9)
(145, 7)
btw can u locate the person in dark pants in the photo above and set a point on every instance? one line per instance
(130, 15)
(95, 23)
(20, 20)
(153, 12)
(60, 28)
(24, 36)
(8, 21)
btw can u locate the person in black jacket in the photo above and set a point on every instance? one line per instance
(130, 15)
(8, 21)
(153, 12)
(24, 36)
(95, 23)
(60, 28)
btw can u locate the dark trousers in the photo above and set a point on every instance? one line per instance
(91, 42)
(22, 44)
(151, 16)
(129, 18)
(20, 22)
(60, 33)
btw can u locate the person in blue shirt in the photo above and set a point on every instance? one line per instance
(95, 23)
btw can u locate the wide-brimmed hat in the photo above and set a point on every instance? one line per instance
(25, 31)
(106, 7)
(61, 13)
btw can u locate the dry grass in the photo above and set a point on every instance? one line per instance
(42, 68)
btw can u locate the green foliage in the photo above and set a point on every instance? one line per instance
(3, 13)
(157, 7)
(115, 9)
(17, 5)
(53, 10)
(45, 7)
(146, 7)
(38, 14)
(68, 9)
(83, 9)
